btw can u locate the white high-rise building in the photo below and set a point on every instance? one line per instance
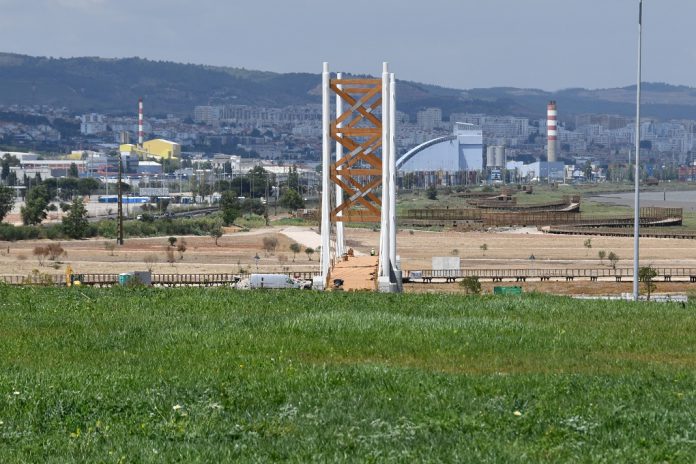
(92, 123)
(429, 118)
(206, 114)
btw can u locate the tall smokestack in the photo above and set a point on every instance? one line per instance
(141, 132)
(551, 131)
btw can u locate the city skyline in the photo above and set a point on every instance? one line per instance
(536, 44)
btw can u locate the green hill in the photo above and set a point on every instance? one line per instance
(114, 85)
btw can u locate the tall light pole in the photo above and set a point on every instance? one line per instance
(119, 236)
(636, 177)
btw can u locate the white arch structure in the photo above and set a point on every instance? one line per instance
(415, 150)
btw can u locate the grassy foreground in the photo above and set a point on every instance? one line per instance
(200, 375)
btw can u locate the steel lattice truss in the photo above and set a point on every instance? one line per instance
(359, 131)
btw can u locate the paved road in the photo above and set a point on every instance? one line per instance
(307, 237)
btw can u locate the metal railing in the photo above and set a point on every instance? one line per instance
(544, 274)
(157, 279)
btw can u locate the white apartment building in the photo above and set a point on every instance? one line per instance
(206, 114)
(92, 123)
(429, 119)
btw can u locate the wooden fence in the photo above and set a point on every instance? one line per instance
(619, 232)
(648, 216)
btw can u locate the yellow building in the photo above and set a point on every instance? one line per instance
(163, 148)
(157, 148)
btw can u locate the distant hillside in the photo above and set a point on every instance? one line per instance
(113, 86)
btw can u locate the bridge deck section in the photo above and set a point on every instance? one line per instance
(357, 273)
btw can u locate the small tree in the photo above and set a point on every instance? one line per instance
(484, 248)
(602, 254)
(55, 251)
(40, 252)
(229, 204)
(587, 244)
(75, 223)
(169, 256)
(34, 210)
(291, 200)
(110, 247)
(163, 204)
(310, 252)
(270, 244)
(431, 192)
(613, 259)
(150, 261)
(471, 285)
(216, 232)
(172, 241)
(646, 275)
(6, 201)
(72, 171)
(295, 248)
(181, 248)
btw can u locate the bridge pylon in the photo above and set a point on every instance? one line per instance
(362, 176)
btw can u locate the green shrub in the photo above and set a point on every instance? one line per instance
(471, 285)
(11, 233)
(108, 229)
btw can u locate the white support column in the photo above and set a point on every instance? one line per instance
(325, 260)
(340, 237)
(392, 171)
(384, 229)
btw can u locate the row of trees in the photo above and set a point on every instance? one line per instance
(75, 223)
(38, 199)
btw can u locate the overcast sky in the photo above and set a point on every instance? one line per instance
(547, 44)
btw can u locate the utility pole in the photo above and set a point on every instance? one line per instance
(119, 239)
(266, 204)
(636, 210)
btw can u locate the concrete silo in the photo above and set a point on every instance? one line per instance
(499, 156)
(490, 156)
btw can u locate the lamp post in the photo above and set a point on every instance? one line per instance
(636, 201)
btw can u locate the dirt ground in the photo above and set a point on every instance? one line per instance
(557, 288)
(513, 250)
(237, 250)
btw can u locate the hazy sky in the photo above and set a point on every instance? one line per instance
(548, 44)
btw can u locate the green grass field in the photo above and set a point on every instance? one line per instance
(206, 375)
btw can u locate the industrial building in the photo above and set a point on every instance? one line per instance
(157, 148)
(461, 151)
(45, 168)
(538, 171)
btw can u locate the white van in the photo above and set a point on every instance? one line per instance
(274, 281)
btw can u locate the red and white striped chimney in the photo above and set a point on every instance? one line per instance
(551, 131)
(141, 132)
